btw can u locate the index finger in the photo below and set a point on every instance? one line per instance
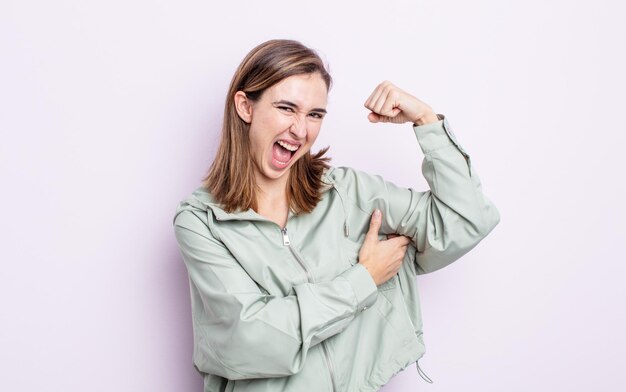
(401, 239)
(378, 90)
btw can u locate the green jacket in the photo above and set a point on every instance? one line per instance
(291, 309)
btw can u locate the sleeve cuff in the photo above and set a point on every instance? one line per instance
(364, 287)
(433, 136)
(436, 135)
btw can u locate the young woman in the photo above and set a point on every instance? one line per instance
(302, 274)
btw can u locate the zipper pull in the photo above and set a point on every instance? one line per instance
(285, 237)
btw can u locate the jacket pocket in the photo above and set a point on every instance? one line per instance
(350, 253)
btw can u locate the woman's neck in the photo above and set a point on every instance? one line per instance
(272, 189)
(272, 200)
(274, 208)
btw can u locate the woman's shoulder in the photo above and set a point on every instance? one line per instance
(196, 203)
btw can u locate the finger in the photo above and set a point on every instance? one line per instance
(375, 222)
(380, 102)
(401, 240)
(373, 117)
(388, 93)
(392, 235)
(381, 89)
(390, 118)
(376, 118)
(373, 97)
(391, 106)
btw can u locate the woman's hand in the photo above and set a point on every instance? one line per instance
(389, 103)
(382, 259)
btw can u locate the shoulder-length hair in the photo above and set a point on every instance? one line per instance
(231, 178)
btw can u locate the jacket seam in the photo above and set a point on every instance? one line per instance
(193, 231)
(431, 162)
(208, 225)
(446, 208)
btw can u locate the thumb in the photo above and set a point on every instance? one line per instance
(373, 117)
(375, 221)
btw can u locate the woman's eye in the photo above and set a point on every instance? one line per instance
(290, 109)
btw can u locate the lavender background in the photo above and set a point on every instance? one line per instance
(110, 112)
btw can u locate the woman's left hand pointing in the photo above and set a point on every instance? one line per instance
(390, 103)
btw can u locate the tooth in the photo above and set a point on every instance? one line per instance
(288, 146)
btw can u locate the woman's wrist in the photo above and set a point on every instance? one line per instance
(428, 118)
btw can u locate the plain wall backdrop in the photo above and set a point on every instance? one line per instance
(110, 112)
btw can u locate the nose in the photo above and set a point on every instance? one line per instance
(298, 128)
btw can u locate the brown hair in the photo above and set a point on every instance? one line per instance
(231, 178)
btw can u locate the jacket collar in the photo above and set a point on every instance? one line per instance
(202, 199)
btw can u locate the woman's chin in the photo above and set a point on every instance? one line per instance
(274, 171)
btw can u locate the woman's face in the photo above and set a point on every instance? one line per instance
(291, 112)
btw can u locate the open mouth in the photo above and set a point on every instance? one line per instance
(282, 152)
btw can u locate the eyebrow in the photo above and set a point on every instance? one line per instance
(288, 103)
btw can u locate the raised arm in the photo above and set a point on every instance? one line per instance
(445, 222)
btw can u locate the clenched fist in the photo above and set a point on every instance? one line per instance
(390, 103)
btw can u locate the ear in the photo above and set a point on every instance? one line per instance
(243, 105)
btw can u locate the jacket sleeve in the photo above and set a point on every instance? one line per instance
(241, 331)
(444, 222)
